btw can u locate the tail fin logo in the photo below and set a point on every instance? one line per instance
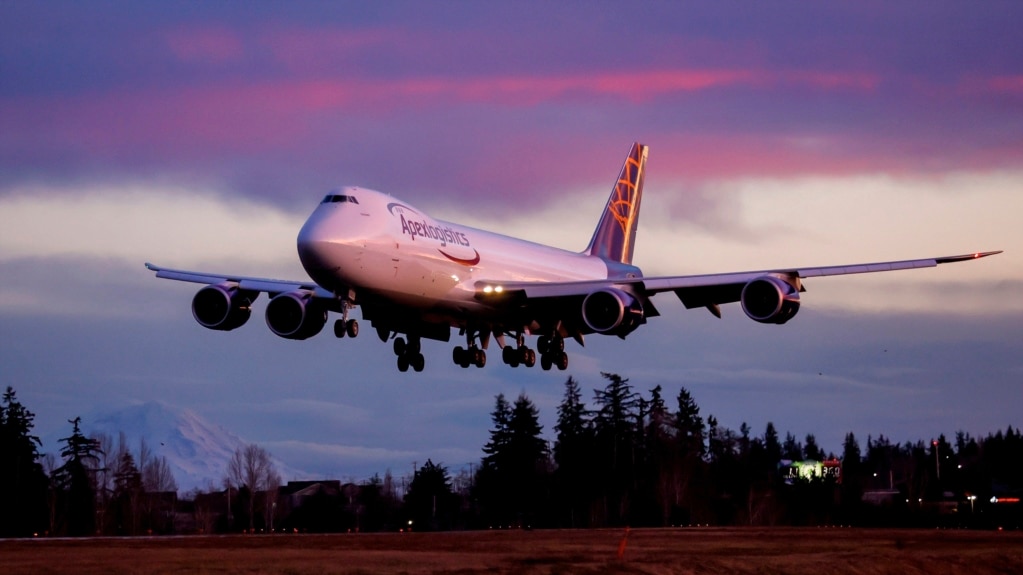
(625, 192)
(615, 236)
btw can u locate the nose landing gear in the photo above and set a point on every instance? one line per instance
(345, 326)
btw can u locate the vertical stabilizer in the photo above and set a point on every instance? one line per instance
(615, 237)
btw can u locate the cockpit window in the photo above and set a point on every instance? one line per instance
(335, 198)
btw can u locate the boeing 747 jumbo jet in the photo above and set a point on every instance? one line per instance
(417, 277)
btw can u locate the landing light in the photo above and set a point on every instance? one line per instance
(488, 289)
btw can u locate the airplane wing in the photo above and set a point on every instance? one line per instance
(270, 286)
(708, 290)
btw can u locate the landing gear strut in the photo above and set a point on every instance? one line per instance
(345, 326)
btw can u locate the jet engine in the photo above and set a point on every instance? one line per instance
(611, 310)
(295, 315)
(770, 299)
(223, 306)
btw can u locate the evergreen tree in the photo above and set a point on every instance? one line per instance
(573, 454)
(688, 471)
(127, 492)
(22, 479)
(658, 477)
(852, 478)
(515, 467)
(726, 480)
(811, 450)
(76, 479)
(689, 425)
(744, 441)
(615, 435)
(572, 426)
(527, 461)
(429, 503)
(772, 448)
(492, 483)
(500, 435)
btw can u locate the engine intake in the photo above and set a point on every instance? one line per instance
(295, 315)
(770, 299)
(612, 310)
(223, 306)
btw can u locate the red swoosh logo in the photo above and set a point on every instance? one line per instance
(464, 262)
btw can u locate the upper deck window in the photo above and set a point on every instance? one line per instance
(335, 198)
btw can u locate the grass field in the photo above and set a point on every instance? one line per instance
(693, 550)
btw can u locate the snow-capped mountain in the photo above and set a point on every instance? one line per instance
(197, 451)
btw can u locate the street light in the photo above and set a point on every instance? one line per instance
(972, 498)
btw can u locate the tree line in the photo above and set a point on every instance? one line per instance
(623, 458)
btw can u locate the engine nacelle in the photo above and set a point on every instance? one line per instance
(611, 310)
(223, 306)
(295, 315)
(770, 299)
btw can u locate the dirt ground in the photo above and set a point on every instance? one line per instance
(691, 550)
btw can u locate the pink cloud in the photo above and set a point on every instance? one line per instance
(257, 119)
(1006, 84)
(385, 95)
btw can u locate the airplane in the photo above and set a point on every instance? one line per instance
(415, 277)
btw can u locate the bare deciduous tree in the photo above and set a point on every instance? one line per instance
(252, 468)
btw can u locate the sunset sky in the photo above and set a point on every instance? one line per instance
(201, 135)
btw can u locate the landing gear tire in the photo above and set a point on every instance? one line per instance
(339, 328)
(528, 357)
(351, 328)
(403, 363)
(545, 361)
(400, 346)
(562, 361)
(463, 357)
(417, 361)
(479, 357)
(557, 344)
(543, 344)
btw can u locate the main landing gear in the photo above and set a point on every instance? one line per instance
(409, 354)
(474, 355)
(520, 354)
(552, 352)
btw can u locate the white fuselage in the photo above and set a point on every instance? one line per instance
(378, 245)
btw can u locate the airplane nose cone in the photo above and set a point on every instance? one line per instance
(315, 241)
